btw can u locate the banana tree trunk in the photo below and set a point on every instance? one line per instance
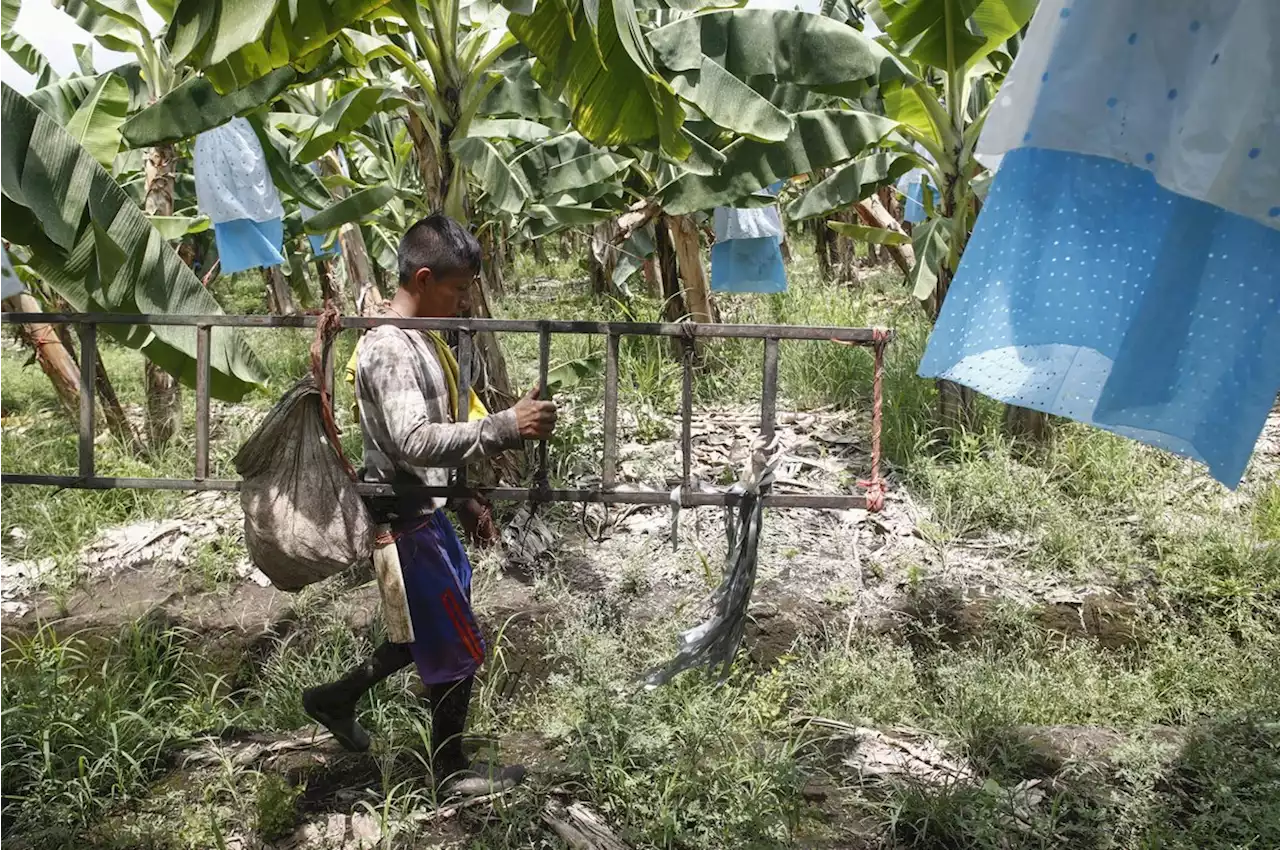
(164, 409)
(360, 270)
(327, 271)
(428, 163)
(652, 285)
(493, 255)
(53, 350)
(845, 252)
(54, 358)
(693, 274)
(355, 258)
(117, 422)
(673, 309)
(602, 259)
(874, 214)
(279, 294)
(1026, 424)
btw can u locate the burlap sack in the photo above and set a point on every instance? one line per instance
(303, 519)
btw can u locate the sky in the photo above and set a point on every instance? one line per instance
(53, 33)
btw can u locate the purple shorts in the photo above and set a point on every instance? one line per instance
(447, 642)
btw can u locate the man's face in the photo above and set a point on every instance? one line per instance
(444, 296)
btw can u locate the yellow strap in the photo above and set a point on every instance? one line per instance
(448, 364)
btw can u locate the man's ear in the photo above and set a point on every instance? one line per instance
(422, 278)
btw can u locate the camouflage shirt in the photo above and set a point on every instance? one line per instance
(410, 437)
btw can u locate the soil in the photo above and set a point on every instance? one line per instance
(821, 572)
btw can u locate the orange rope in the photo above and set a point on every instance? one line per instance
(327, 327)
(874, 485)
(387, 538)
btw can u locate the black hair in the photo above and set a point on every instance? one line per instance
(439, 243)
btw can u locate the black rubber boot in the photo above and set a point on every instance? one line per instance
(454, 774)
(333, 706)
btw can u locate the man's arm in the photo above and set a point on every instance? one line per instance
(394, 400)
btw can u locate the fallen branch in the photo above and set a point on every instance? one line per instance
(580, 827)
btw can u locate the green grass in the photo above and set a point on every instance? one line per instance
(92, 726)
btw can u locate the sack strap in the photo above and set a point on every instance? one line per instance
(327, 327)
(386, 538)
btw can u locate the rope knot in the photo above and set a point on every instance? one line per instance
(875, 494)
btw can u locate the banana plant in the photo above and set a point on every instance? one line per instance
(957, 52)
(82, 234)
(720, 105)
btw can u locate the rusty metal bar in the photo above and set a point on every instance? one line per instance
(544, 328)
(464, 376)
(686, 416)
(544, 392)
(88, 385)
(609, 475)
(463, 413)
(204, 340)
(861, 336)
(505, 494)
(769, 390)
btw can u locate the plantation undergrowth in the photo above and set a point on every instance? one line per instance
(1165, 733)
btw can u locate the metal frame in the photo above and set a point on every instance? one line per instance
(610, 493)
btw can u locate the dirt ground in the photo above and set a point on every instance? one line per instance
(822, 573)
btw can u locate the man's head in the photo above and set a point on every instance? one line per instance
(438, 261)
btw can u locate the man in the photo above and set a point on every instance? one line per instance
(404, 382)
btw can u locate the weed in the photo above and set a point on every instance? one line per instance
(275, 806)
(94, 726)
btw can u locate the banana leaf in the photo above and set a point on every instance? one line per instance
(820, 139)
(509, 128)
(601, 69)
(851, 183)
(715, 58)
(931, 241)
(96, 124)
(294, 178)
(342, 117)
(950, 34)
(27, 56)
(174, 227)
(505, 187)
(517, 96)
(872, 235)
(238, 41)
(195, 106)
(90, 242)
(9, 10)
(115, 24)
(354, 207)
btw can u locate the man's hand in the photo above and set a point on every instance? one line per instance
(476, 515)
(535, 419)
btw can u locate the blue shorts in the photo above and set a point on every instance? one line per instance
(447, 642)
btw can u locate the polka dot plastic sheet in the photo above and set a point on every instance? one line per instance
(1090, 291)
(232, 180)
(1186, 89)
(234, 188)
(1125, 270)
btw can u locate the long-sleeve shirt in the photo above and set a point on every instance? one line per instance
(410, 437)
